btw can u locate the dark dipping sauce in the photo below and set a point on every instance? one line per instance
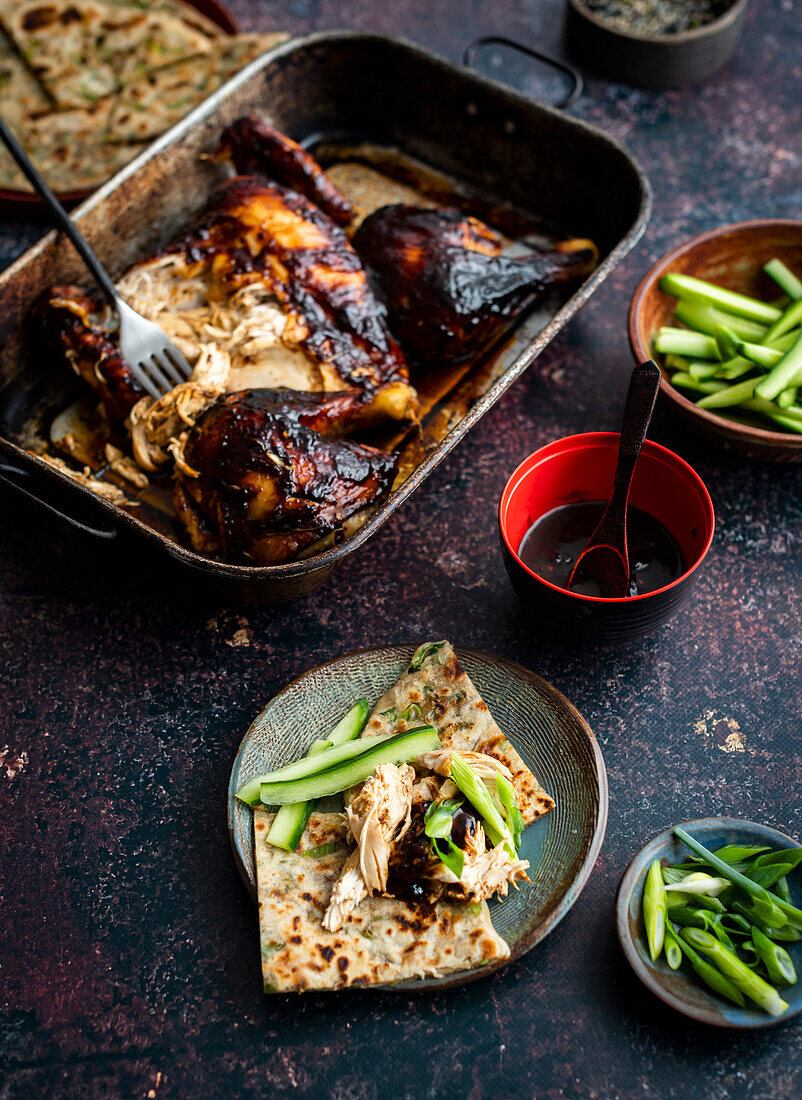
(553, 543)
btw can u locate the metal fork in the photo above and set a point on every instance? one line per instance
(155, 361)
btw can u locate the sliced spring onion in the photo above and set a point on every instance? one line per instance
(672, 949)
(438, 822)
(509, 804)
(706, 318)
(784, 278)
(765, 907)
(788, 372)
(700, 883)
(749, 983)
(687, 287)
(654, 909)
(498, 832)
(400, 748)
(778, 963)
(709, 975)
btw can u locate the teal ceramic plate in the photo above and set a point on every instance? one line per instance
(551, 735)
(676, 987)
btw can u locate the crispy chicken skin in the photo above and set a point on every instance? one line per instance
(378, 818)
(257, 149)
(449, 292)
(65, 318)
(263, 473)
(258, 231)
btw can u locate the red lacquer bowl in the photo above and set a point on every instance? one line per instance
(581, 467)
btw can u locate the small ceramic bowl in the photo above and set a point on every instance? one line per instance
(653, 61)
(678, 988)
(733, 256)
(581, 467)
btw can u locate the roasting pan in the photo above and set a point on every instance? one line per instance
(502, 153)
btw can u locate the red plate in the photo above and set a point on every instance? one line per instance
(26, 202)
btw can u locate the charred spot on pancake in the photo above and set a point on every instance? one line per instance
(481, 705)
(259, 826)
(296, 921)
(325, 951)
(295, 939)
(342, 963)
(453, 670)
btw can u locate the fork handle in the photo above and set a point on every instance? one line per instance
(60, 215)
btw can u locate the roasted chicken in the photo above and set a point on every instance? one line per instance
(263, 474)
(292, 347)
(257, 149)
(449, 291)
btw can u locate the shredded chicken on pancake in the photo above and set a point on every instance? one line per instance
(486, 767)
(484, 872)
(378, 817)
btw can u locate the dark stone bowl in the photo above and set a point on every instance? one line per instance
(652, 61)
(678, 988)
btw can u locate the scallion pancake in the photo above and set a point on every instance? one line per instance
(383, 940)
(437, 690)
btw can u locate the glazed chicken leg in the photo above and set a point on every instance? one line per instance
(449, 291)
(257, 149)
(264, 475)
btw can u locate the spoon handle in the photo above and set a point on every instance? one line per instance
(641, 396)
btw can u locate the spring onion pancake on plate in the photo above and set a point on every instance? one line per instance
(433, 875)
(85, 83)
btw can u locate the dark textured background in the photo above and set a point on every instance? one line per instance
(128, 947)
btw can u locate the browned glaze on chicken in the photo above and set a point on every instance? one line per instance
(258, 231)
(257, 149)
(68, 329)
(449, 291)
(271, 476)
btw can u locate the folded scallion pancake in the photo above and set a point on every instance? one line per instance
(147, 107)
(68, 148)
(383, 940)
(437, 690)
(83, 50)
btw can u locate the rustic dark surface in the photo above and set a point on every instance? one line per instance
(128, 955)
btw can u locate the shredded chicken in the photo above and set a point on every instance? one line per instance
(484, 873)
(378, 817)
(157, 427)
(85, 477)
(125, 467)
(426, 789)
(250, 323)
(486, 767)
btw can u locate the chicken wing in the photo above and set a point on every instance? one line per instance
(257, 149)
(449, 291)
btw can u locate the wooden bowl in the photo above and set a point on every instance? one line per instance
(732, 256)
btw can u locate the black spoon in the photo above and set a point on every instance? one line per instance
(606, 555)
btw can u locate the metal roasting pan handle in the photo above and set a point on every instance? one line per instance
(96, 532)
(469, 57)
